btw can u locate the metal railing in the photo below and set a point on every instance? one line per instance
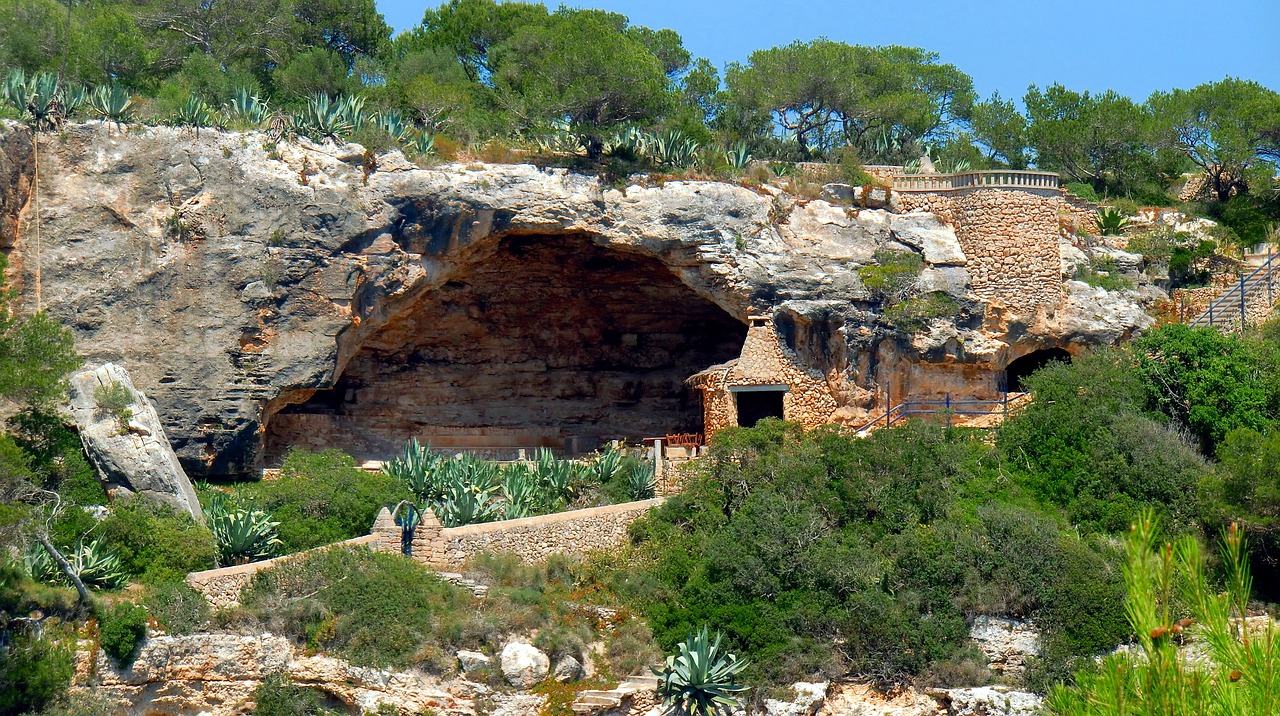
(946, 408)
(1231, 310)
(986, 179)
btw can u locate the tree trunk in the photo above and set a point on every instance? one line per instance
(65, 567)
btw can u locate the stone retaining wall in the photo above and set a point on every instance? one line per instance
(221, 587)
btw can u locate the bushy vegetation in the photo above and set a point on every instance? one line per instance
(121, 628)
(278, 696)
(156, 543)
(34, 671)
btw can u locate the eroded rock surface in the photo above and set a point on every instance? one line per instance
(129, 450)
(237, 281)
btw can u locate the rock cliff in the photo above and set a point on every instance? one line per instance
(265, 294)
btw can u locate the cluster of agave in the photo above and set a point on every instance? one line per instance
(465, 489)
(96, 564)
(1111, 221)
(672, 148)
(242, 534)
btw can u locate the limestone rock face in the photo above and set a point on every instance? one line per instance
(241, 282)
(216, 675)
(136, 456)
(524, 665)
(809, 697)
(472, 662)
(1007, 643)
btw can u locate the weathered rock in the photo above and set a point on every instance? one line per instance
(136, 455)
(568, 669)
(523, 665)
(836, 193)
(1007, 643)
(1073, 259)
(1123, 261)
(989, 701)
(937, 241)
(217, 674)
(471, 662)
(809, 697)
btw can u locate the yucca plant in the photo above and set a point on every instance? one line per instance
(96, 564)
(419, 468)
(642, 483)
(1111, 221)
(701, 679)
(738, 156)
(1239, 677)
(243, 535)
(193, 114)
(111, 104)
(322, 119)
(247, 107)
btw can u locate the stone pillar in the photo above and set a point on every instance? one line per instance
(427, 546)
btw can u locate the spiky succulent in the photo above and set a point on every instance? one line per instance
(194, 114)
(603, 468)
(424, 145)
(96, 564)
(247, 107)
(522, 494)
(642, 483)
(738, 156)
(111, 103)
(420, 469)
(243, 535)
(394, 124)
(701, 679)
(1111, 221)
(673, 148)
(323, 119)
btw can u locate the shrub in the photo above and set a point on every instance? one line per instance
(156, 543)
(1084, 191)
(278, 696)
(115, 399)
(121, 628)
(893, 275)
(33, 672)
(321, 498)
(177, 607)
(914, 314)
(1104, 275)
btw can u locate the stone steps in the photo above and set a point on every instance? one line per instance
(594, 700)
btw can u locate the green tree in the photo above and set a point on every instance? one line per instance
(1222, 128)
(1099, 139)
(830, 94)
(1002, 130)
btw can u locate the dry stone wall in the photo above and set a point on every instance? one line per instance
(221, 587)
(1010, 238)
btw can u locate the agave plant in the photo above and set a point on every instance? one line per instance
(1111, 221)
(738, 156)
(194, 114)
(247, 107)
(604, 467)
(642, 483)
(352, 109)
(556, 476)
(322, 119)
(38, 98)
(419, 468)
(466, 503)
(74, 96)
(521, 492)
(111, 104)
(96, 564)
(424, 145)
(243, 535)
(673, 148)
(394, 124)
(700, 680)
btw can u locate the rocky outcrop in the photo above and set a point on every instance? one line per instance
(129, 447)
(217, 674)
(241, 281)
(523, 665)
(1007, 643)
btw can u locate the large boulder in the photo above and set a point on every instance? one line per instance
(523, 665)
(127, 445)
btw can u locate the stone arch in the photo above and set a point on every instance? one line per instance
(554, 341)
(1020, 368)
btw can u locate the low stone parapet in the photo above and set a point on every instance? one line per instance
(221, 587)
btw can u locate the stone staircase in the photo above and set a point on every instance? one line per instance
(593, 701)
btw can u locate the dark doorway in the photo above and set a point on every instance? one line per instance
(1018, 370)
(756, 405)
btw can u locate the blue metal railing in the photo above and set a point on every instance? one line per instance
(1233, 305)
(945, 408)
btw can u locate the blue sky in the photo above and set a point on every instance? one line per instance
(1131, 46)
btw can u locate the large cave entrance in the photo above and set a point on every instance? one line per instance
(1019, 369)
(552, 341)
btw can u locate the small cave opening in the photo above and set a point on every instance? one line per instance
(1020, 368)
(552, 341)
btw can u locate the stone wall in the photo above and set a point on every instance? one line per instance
(1010, 237)
(535, 538)
(764, 361)
(221, 587)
